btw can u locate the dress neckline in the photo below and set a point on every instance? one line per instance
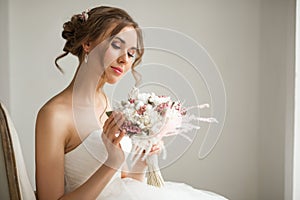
(82, 142)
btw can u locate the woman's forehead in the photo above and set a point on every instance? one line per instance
(128, 36)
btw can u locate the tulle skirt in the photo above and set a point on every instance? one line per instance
(131, 189)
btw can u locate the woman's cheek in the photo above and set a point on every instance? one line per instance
(110, 56)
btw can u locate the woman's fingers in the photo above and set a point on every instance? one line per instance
(118, 139)
(117, 126)
(117, 121)
(110, 121)
(107, 122)
(112, 126)
(114, 130)
(154, 148)
(156, 151)
(111, 137)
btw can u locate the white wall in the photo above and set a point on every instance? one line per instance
(4, 69)
(296, 169)
(290, 100)
(246, 38)
(276, 95)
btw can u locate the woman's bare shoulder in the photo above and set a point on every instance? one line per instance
(55, 115)
(57, 106)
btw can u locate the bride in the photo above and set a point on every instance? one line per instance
(79, 152)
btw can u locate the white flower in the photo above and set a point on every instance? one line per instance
(138, 105)
(133, 93)
(158, 100)
(146, 120)
(143, 97)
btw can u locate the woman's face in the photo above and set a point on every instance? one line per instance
(120, 54)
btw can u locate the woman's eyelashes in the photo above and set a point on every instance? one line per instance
(117, 46)
(131, 54)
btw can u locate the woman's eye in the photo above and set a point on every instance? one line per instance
(131, 54)
(115, 45)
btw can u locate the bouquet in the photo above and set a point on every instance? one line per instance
(148, 119)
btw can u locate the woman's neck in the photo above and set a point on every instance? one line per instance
(98, 89)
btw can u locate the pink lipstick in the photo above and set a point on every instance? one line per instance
(118, 70)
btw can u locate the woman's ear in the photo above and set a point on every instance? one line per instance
(86, 46)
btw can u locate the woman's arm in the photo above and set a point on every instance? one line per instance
(93, 187)
(51, 137)
(50, 141)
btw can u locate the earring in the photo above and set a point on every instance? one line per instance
(86, 58)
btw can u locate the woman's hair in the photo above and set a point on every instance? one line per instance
(95, 23)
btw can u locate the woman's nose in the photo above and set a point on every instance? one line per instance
(123, 58)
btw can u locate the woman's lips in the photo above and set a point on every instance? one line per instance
(118, 70)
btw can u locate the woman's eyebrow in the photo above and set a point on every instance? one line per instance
(124, 42)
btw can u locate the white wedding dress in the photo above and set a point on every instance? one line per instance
(85, 159)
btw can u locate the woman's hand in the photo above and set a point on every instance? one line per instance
(111, 136)
(141, 165)
(138, 170)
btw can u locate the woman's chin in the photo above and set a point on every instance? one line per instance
(112, 78)
(112, 81)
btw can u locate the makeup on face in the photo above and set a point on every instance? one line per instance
(119, 44)
(120, 55)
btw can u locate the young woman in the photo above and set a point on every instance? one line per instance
(78, 148)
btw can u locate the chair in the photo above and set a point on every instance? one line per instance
(14, 184)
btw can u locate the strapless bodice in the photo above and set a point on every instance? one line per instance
(84, 160)
(87, 157)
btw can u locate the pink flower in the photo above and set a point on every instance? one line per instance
(130, 128)
(141, 110)
(131, 100)
(161, 108)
